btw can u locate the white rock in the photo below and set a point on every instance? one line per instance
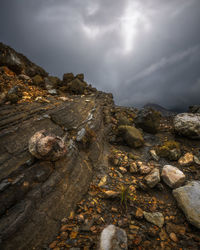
(172, 176)
(187, 124)
(113, 237)
(155, 218)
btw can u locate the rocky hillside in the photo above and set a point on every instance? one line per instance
(79, 172)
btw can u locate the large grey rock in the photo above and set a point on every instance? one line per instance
(188, 198)
(187, 124)
(172, 176)
(113, 237)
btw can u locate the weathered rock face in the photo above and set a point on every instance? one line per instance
(38, 191)
(188, 198)
(172, 176)
(113, 237)
(19, 63)
(148, 119)
(187, 124)
(131, 136)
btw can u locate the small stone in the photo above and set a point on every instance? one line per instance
(116, 162)
(103, 181)
(152, 232)
(196, 160)
(186, 160)
(156, 218)
(111, 194)
(80, 218)
(163, 234)
(133, 167)
(172, 176)
(153, 178)
(52, 91)
(134, 228)
(153, 154)
(139, 213)
(53, 244)
(173, 237)
(144, 169)
(64, 235)
(123, 170)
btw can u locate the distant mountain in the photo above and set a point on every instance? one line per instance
(164, 111)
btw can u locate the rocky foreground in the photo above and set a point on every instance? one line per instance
(79, 172)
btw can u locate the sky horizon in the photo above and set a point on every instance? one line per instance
(142, 51)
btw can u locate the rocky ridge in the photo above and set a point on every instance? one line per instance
(73, 165)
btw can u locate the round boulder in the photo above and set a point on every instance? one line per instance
(46, 146)
(148, 119)
(187, 124)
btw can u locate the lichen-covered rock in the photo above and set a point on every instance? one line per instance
(172, 176)
(44, 145)
(76, 87)
(131, 135)
(169, 150)
(14, 94)
(148, 119)
(187, 124)
(51, 82)
(188, 198)
(113, 237)
(38, 80)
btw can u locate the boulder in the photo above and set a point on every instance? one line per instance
(169, 150)
(153, 178)
(113, 237)
(188, 198)
(68, 77)
(51, 82)
(80, 77)
(38, 80)
(187, 124)
(172, 176)
(148, 119)
(76, 87)
(44, 145)
(131, 135)
(194, 109)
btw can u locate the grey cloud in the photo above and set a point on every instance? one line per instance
(142, 51)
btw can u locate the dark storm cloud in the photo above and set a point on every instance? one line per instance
(142, 51)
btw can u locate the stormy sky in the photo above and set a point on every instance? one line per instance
(140, 50)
